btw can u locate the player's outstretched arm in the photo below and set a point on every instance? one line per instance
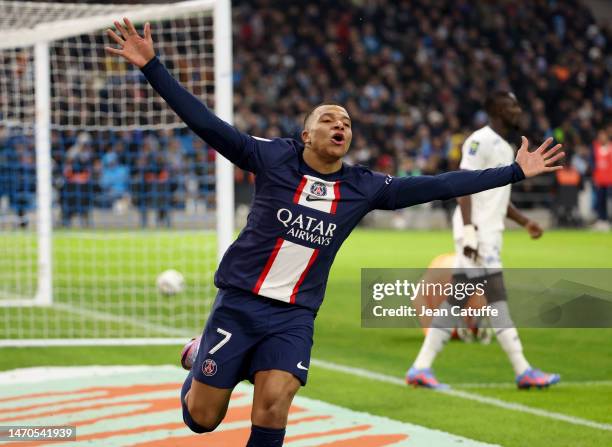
(139, 50)
(421, 189)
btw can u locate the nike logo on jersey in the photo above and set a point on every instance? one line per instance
(300, 366)
(314, 199)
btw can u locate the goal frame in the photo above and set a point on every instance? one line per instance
(40, 37)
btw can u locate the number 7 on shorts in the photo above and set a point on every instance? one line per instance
(226, 337)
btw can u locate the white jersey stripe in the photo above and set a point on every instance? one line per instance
(286, 270)
(268, 265)
(298, 284)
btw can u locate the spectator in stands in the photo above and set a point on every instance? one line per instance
(177, 167)
(22, 187)
(153, 183)
(5, 173)
(602, 176)
(114, 182)
(411, 73)
(77, 191)
(204, 170)
(446, 55)
(568, 185)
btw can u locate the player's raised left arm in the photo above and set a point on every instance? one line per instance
(139, 50)
(409, 191)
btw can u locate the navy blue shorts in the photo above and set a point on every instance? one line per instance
(246, 333)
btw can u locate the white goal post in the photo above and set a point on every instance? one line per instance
(42, 46)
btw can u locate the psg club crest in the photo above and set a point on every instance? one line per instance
(318, 189)
(209, 368)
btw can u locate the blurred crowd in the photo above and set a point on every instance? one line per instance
(153, 170)
(413, 74)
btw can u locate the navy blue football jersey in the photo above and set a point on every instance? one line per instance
(298, 221)
(299, 217)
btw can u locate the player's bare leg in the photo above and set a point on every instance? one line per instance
(207, 405)
(204, 406)
(274, 392)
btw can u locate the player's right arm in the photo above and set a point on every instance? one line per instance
(236, 146)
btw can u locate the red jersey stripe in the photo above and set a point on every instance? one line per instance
(336, 197)
(298, 191)
(296, 288)
(268, 266)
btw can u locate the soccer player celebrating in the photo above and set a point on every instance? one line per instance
(478, 224)
(272, 279)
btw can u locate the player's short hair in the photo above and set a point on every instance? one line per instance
(494, 99)
(309, 114)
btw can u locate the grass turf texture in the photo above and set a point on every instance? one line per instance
(579, 355)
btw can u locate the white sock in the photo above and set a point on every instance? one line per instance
(509, 340)
(434, 342)
(437, 336)
(508, 337)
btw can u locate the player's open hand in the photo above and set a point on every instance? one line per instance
(534, 229)
(539, 161)
(133, 47)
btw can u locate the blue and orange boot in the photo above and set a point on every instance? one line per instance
(424, 377)
(533, 377)
(189, 353)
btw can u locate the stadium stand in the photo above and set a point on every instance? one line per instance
(413, 96)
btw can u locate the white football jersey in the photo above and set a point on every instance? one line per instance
(485, 149)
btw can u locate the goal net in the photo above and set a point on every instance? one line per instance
(102, 187)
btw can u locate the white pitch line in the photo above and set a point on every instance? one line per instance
(359, 372)
(129, 234)
(169, 335)
(525, 409)
(563, 384)
(109, 317)
(7, 295)
(91, 342)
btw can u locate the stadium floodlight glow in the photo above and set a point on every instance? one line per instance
(55, 77)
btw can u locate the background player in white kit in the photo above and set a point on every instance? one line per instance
(478, 224)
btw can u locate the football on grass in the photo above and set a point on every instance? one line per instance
(170, 282)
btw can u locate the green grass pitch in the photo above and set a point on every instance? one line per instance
(583, 357)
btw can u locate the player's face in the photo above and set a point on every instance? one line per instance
(510, 111)
(328, 132)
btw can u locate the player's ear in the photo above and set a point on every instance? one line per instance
(305, 136)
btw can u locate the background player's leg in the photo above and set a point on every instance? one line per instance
(436, 338)
(204, 406)
(274, 392)
(508, 338)
(502, 323)
(440, 332)
(442, 325)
